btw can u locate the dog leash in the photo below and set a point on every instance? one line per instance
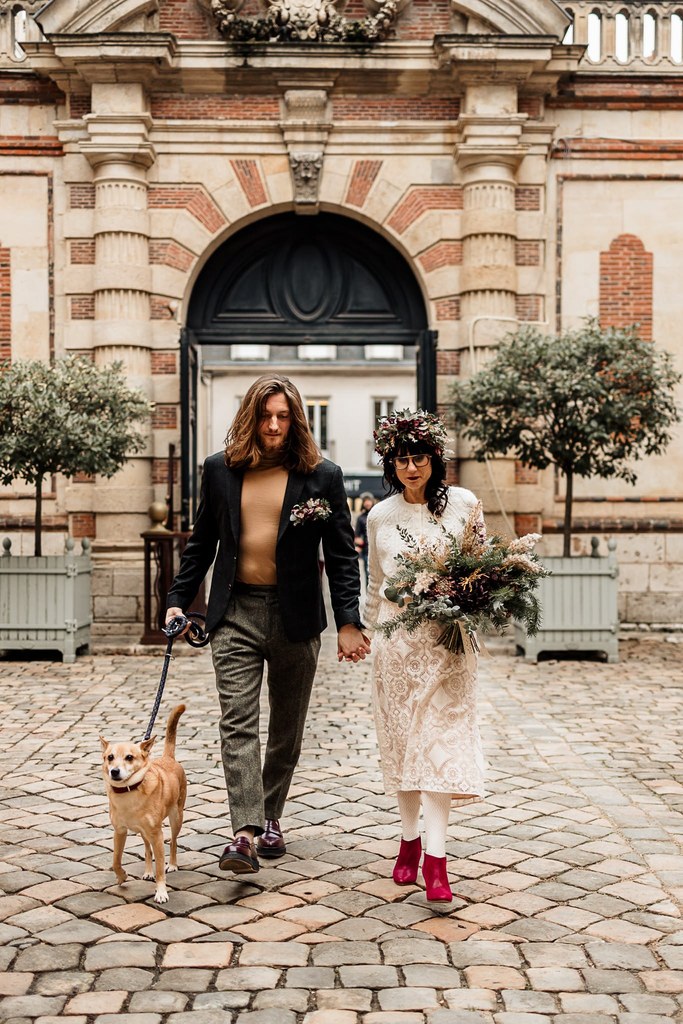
(196, 636)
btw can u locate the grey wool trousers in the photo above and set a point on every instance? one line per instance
(251, 636)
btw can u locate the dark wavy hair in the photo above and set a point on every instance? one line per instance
(242, 448)
(436, 491)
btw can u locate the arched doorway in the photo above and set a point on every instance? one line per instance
(289, 287)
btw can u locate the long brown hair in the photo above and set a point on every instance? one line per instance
(242, 449)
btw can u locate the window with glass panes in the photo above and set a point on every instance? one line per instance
(316, 409)
(382, 407)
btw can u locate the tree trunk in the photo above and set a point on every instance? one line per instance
(569, 496)
(38, 527)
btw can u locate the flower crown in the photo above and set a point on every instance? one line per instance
(406, 428)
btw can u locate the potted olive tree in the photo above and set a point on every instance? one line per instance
(70, 417)
(590, 402)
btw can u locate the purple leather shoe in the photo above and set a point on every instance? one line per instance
(271, 843)
(239, 856)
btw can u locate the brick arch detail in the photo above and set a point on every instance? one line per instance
(248, 216)
(626, 285)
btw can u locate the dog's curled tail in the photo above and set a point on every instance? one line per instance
(171, 730)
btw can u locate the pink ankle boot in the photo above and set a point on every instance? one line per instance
(436, 879)
(407, 862)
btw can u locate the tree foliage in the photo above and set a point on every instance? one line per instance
(590, 401)
(71, 417)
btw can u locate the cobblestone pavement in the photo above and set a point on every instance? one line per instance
(569, 875)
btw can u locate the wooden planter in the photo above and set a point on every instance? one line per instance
(45, 601)
(578, 607)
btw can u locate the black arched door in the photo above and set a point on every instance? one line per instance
(292, 280)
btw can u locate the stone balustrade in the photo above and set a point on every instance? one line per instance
(627, 35)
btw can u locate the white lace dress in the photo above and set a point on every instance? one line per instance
(424, 697)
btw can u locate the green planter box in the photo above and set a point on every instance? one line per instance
(45, 601)
(578, 607)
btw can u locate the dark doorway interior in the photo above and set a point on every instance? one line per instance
(288, 281)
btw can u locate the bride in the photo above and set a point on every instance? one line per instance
(424, 696)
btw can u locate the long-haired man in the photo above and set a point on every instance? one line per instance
(266, 603)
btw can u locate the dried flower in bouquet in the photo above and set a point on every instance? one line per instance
(467, 584)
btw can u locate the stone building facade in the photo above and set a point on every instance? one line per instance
(163, 162)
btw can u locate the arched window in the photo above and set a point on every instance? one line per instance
(621, 27)
(594, 51)
(650, 34)
(677, 38)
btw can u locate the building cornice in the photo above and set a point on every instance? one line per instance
(104, 57)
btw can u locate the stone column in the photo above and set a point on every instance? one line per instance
(120, 154)
(119, 151)
(488, 152)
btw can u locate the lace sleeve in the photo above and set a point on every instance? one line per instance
(372, 598)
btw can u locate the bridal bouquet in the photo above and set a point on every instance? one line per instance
(466, 584)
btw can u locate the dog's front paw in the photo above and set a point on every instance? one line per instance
(148, 876)
(161, 895)
(121, 876)
(171, 867)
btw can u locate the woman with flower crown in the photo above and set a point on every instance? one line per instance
(424, 696)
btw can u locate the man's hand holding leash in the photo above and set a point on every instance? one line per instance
(173, 613)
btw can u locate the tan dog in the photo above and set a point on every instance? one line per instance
(142, 794)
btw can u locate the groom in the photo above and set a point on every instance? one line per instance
(266, 603)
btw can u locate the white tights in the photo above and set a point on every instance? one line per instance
(435, 808)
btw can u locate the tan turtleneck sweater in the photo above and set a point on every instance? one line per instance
(263, 492)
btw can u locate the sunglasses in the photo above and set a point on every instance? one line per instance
(419, 461)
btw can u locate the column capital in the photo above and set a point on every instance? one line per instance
(493, 139)
(118, 138)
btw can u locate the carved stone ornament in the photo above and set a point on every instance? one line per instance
(304, 21)
(306, 168)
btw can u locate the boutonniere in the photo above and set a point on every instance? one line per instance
(311, 511)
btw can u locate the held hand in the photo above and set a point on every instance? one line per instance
(352, 644)
(171, 614)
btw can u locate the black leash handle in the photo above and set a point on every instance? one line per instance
(196, 636)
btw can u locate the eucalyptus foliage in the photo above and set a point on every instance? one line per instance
(71, 417)
(590, 401)
(466, 583)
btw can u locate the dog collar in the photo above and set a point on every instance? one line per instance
(127, 789)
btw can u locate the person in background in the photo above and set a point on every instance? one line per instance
(267, 503)
(361, 531)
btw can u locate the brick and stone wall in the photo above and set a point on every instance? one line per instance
(555, 216)
(626, 285)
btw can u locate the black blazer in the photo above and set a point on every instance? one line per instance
(217, 524)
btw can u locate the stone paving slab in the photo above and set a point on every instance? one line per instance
(569, 876)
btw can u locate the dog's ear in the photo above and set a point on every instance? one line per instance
(147, 745)
(105, 743)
